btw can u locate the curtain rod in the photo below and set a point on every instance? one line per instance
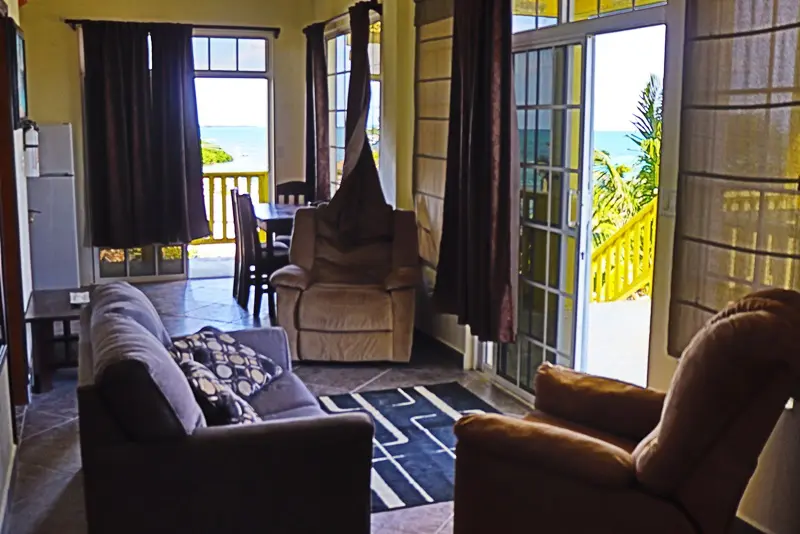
(74, 23)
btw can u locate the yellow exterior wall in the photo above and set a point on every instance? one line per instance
(53, 64)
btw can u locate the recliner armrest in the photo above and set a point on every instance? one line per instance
(403, 278)
(616, 407)
(544, 446)
(292, 276)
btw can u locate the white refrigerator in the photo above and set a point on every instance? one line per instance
(51, 199)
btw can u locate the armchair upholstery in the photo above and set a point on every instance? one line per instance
(349, 305)
(602, 456)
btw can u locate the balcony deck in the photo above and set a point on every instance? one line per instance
(619, 340)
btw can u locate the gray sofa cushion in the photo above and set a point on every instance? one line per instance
(286, 393)
(124, 299)
(144, 388)
(269, 341)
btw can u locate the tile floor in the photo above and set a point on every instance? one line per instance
(47, 497)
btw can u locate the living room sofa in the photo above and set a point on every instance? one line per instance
(152, 465)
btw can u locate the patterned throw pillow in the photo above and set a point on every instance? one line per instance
(220, 405)
(237, 365)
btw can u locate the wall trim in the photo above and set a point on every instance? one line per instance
(450, 352)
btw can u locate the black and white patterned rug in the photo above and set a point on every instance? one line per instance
(413, 458)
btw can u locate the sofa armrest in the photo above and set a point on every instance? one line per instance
(403, 278)
(270, 341)
(568, 453)
(292, 276)
(262, 477)
(617, 407)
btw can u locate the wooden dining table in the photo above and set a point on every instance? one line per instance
(276, 218)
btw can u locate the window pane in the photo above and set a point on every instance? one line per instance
(170, 260)
(374, 53)
(200, 48)
(112, 263)
(142, 261)
(331, 56)
(520, 72)
(342, 84)
(338, 139)
(331, 92)
(342, 53)
(253, 55)
(584, 9)
(533, 78)
(612, 6)
(545, 67)
(223, 54)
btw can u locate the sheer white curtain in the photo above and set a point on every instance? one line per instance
(738, 217)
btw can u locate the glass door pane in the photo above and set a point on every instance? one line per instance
(549, 84)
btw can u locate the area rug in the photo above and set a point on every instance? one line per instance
(413, 455)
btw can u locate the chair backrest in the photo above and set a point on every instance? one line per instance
(293, 193)
(248, 235)
(729, 391)
(237, 221)
(314, 248)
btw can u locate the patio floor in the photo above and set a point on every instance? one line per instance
(619, 339)
(211, 261)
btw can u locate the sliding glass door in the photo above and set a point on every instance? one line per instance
(552, 113)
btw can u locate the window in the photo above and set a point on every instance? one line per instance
(233, 82)
(338, 57)
(535, 14)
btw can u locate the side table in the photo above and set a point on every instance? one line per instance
(46, 309)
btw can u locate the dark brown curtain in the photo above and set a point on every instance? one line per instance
(318, 176)
(118, 126)
(359, 210)
(144, 172)
(176, 138)
(478, 256)
(737, 221)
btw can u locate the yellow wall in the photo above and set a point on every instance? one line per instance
(54, 89)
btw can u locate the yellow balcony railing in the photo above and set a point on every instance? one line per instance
(623, 265)
(217, 193)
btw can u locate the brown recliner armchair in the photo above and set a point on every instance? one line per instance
(600, 456)
(353, 305)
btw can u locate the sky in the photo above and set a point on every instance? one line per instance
(232, 101)
(623, 64)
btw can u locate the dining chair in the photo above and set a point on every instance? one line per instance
(258, 261)
(237, 231)
(295, 193)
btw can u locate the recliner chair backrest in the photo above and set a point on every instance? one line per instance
(727, 394)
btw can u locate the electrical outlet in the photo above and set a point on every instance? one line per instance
(667, 201)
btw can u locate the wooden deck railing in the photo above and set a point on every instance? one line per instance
(623, 265)
(217, 193)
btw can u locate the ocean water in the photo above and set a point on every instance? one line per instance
(248, 146)
(621, 148)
